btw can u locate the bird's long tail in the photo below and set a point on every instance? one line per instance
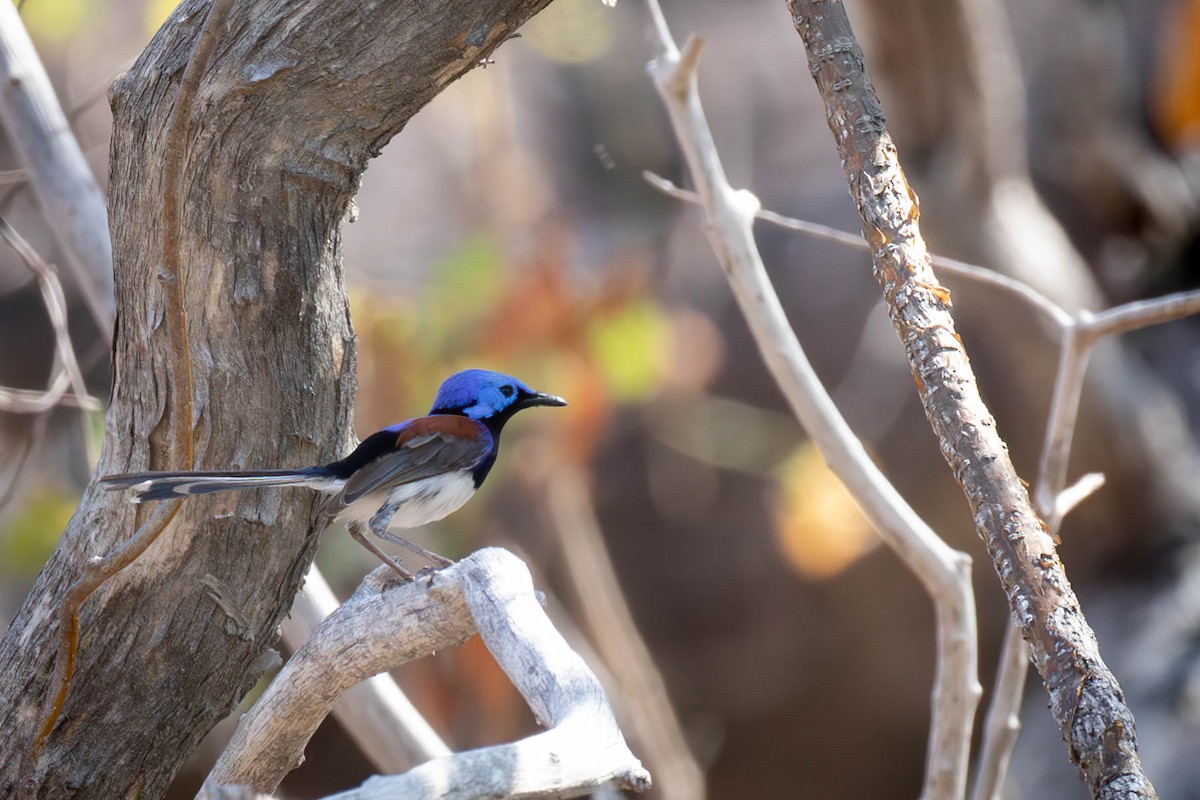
(165, 485)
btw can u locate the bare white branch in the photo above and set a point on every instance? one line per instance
(1077, 333)
(66, 373)
(950, 266)
(376, 713)
(1140, 314)
(1076, 493)
(384, 625)
(644, 700)
(944, 572)
(30, 401)
(70, 199)
(1060, 426)
(1002, 723)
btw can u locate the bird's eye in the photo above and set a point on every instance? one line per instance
(507, 391)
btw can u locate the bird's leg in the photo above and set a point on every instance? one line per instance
(357, 532)
(379, 527)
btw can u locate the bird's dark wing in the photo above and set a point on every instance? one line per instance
(423, 448)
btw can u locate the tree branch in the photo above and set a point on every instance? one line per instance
(383, 626)
(944, 572)
(67, 374)
(70, 200)
(375, 712)
(1085, 698)
(646, 703)
(297, 98)
(951, 266)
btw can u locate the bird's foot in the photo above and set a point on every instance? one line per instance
(439, 562)
(428, 573)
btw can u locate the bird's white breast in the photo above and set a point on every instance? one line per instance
(417, 503)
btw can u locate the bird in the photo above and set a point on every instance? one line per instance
(404, 476)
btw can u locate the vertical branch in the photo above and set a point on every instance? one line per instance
(1003, 722)
(617, 639)
(944, 572)
(1078, 337)
(1085, 698)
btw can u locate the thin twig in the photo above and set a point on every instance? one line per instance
(944, 572)
(1070, 498)
(1085, 698)
(1140, 314)
(1002, 722)
(65, 369)
(951, 266)
(55, 301)
(32, 401)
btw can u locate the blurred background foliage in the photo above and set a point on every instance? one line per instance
(509, 227)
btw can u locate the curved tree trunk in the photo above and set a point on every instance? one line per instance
(296, 98)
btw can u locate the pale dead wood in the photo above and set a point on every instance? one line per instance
(66, 191)
(384, 625)
(375, 712)
(1076, 332)
(66, 373)
(645, 704)
(951, 266)
(1085, 698)
(944, 572)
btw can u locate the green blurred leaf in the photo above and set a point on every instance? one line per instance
(54, 21)
(463, 286)
(629, 347)
(30, 537)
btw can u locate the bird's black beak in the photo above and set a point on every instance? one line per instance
(541, 399)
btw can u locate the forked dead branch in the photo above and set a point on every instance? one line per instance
(1084, 694)
(1076, 333)
(1085, 699)
(385, 625)
(944, 572)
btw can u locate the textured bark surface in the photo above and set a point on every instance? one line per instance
(1085, 699)
(383, 626)
(297, 97)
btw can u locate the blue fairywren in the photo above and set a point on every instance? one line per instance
(406, 475)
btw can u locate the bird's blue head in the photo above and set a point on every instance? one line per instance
(483, 394)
